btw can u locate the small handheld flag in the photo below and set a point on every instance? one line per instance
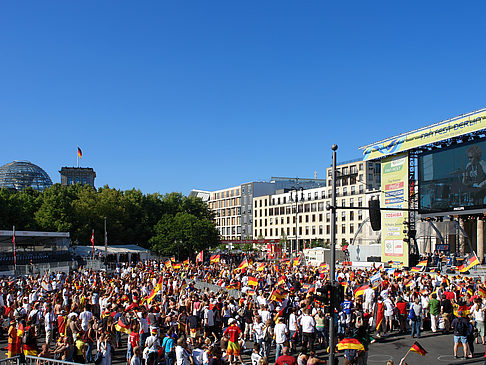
(416, 347)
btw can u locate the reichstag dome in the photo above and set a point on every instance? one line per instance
(19, 175)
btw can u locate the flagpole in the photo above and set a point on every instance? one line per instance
(403, 359)
(14, 250)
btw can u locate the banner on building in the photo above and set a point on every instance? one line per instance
(454, 127)
(394, 194)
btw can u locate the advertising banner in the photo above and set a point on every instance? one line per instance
(455, 127)
(394, 194)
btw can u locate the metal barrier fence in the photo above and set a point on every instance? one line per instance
(33, 360)
(215, 288)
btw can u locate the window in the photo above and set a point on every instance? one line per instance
(307, 231)
(328, 229)
(351, 215)
(353, 169)
(345, 170)
(360, 215)
(360, 202)
(343, 229)
(351, 228)
(271, 232)
(321, 231)
(316, 195)
(242, 190)
(345, 191)
(361, 189)
(307, 208)
(353, 190)
(309, 196)
(306, 218)
(343, 216)
(313, 230)
(360, 167)
(278, 201)
(320, 206)
(328, 217)
(271, 220)
(300, 219)
(329, 183)
(351, 202)
(323, 194)
(313, 207)
(313, 217)
(320, 217)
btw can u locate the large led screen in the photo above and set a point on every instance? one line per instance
(453, 179)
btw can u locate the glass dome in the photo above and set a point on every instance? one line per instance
(19, 175)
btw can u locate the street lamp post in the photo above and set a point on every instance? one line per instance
(293, 188)
(332, 264)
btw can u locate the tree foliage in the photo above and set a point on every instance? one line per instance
(169, 224)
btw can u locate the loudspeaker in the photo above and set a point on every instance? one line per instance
(375, 214)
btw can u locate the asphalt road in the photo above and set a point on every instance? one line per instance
(394, 347)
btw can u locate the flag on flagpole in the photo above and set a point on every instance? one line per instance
(360, 291)
(186, 262)
(469, 263)
(252, 281)
(199, 257)
(422, 263)
(214, 259)
(155, 290)
(482, 291)
(243, 264)
(418, 349)
(80, 153)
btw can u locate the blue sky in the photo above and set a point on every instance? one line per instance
(172, 95)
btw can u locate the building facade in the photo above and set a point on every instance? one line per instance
(74, 175)
(233, 207)
(300, 215)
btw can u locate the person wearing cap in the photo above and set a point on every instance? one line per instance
(233, 334)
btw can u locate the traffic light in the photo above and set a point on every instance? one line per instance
(337, 295)
(325, 294)
(375, 214)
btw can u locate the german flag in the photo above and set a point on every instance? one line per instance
(250, 292)
(422, 263)
(275, 295)
(80, 153)
(243, 264)
(252, 281)
(482, 292)
(231, 287)
(296, 262)
(360, 291)
(350, 344)
(172, 259)
(168, 264)
(260, 266)
(418, 349)
(154, 291)
(469, 263)
(120, 326)
(417, 268)
(281, 280)
(214, 259)
(177, 266)
(186, 262)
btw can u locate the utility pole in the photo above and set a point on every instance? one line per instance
(332, 264)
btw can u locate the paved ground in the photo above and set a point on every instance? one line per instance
(438, 346)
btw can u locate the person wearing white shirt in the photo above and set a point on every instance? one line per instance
(478, 310)
(85, 316)
(308, 325)
(293, 326)
(49, 320)
(281, 332)
(369, 297)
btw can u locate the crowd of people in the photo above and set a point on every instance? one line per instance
(213, 313)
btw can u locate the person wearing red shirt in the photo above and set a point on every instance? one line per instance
(402, 314)
(233, 333)
(285, 358)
